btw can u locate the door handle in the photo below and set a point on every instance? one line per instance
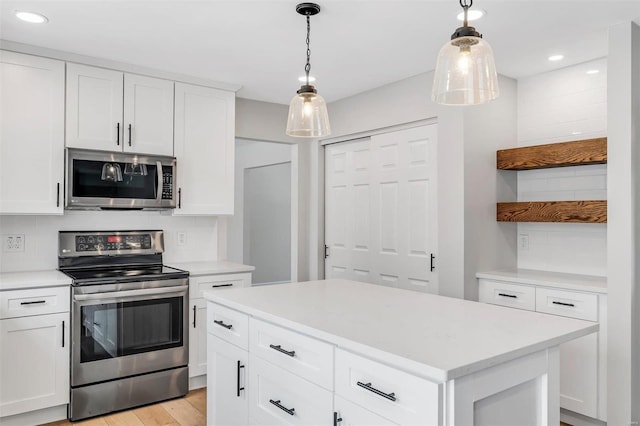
(118, 134)
(194, 315)
(129, 134)
(238, 388)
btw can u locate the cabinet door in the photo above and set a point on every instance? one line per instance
(227, 402)
(197, 337)
(31, 135)
(350, 414)
(94, 108)
(579, 375)
(148, 115)
(204, 148)
(34, 363)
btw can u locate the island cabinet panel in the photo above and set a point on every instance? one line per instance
(349, 414)
(227, 383)
(309, 358)
(387, 391)
(279, 397)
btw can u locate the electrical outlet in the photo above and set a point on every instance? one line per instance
(523, 241)
(182, 238)
(13, 243)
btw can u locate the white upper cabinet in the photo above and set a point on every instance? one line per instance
(148, 115)
(31, 134)
(204, 149)
(112, 111)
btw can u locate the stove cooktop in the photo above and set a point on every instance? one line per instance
(90, 276)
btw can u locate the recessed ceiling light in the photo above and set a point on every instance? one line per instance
(472, 15)
(31, 17)
(303, 79)
(576, 133)
(554, 58)
(593, 72)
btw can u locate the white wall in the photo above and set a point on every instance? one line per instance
(408, 101)
(563, 105)
(41, 235)
(262, 121)
(623, 226)
(249, 154)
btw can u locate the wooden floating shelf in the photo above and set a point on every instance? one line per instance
(594, 211)
(576, 153)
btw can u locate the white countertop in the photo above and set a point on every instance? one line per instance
(33, 279)
(211, 268)
(437, 337)
(592, 283)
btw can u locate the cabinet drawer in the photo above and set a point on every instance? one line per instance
(35, 301)
(227, 324)
(302, 355)
(570, 304)
(197, 285)
(393, 394)
(507, 294)
(277, 396)
(351, 414)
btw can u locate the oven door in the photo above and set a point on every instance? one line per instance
(123, 333)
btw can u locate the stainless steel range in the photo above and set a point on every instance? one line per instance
(129, 321)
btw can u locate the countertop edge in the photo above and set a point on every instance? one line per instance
(593, 284)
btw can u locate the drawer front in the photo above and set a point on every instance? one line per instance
(393, 394)
(507, 294)
(36, 301)
(278, 397)
(197, 285)
(350, 414)
(227, 324)
(570, 304)
(307, 357)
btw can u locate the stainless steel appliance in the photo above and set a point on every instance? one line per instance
(129, 319)
(116, 180)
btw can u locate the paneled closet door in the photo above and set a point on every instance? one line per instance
(380, 201)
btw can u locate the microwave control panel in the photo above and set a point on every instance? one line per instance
(167, 186)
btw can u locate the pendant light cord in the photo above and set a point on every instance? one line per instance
(307, 67)
(466, 4)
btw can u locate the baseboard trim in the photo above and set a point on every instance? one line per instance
(576, 419)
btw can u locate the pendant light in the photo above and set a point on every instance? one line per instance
(465, 72)
(308, 115)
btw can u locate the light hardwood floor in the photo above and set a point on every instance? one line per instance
(188, 411)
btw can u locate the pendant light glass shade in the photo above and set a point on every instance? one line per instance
(465, 73)
(308, 117)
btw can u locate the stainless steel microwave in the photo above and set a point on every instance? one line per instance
(116, 180)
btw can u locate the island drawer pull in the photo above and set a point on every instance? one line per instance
(35, 302)
(390, 396)
(336, 419)
(222, 324)
(289, 411)
(221, 285)
(564, 304)
(238, 388)
(513, 296)
(279, 349)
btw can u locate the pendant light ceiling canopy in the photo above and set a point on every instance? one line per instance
(308, 115)
(465, 71)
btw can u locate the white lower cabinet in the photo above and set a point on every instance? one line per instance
(198, 319)
(583, 362)
(226, 383)
(346, 413)
(34, 352)
(277, 396)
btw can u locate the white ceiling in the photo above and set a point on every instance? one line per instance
(355, 45)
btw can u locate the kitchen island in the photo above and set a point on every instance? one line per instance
(345, 353)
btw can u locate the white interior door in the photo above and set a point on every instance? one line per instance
(380, 201)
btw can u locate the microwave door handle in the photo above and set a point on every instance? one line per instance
(159, 187)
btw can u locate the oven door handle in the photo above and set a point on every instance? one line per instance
(130, 293)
